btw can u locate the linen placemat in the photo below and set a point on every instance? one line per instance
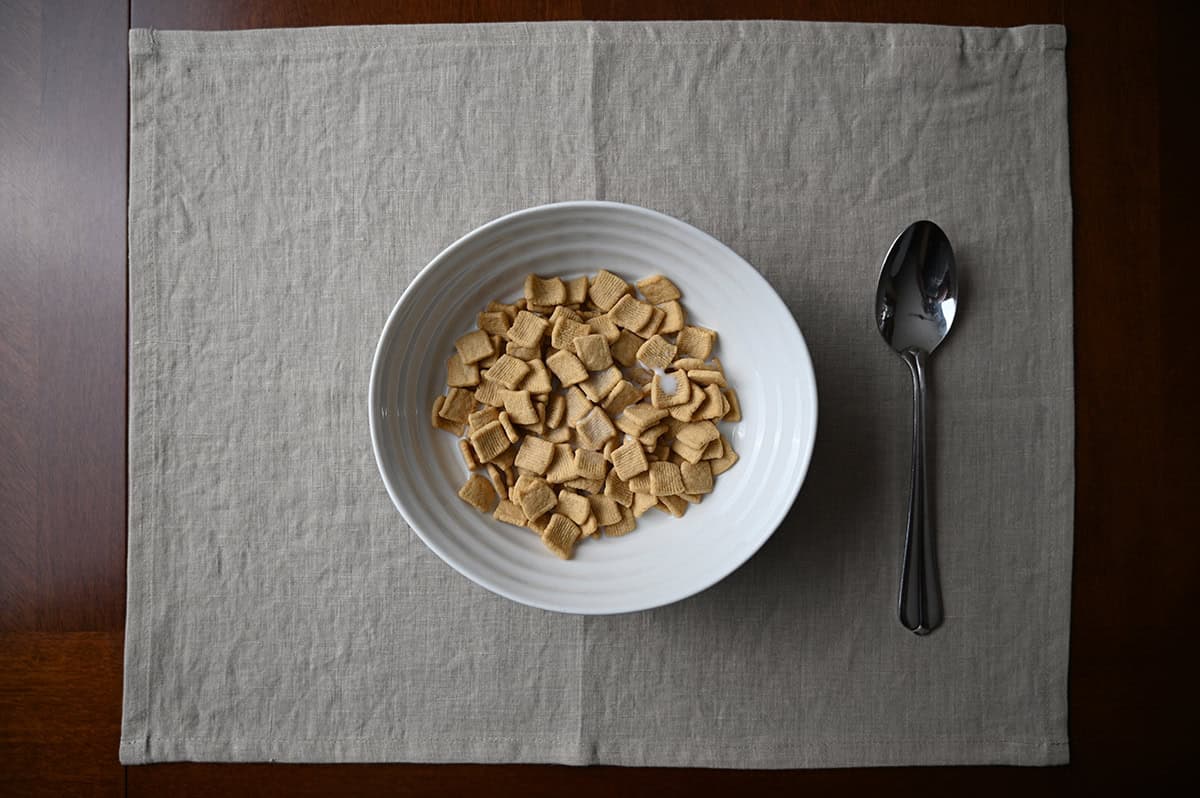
(285, 186)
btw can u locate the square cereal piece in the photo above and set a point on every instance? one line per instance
(544, 290)
(562, 465)
(714, 451)
(630, 313)
(695, 342)
(623, 527)
(604, 510)
(673, 318)
(643, 502)
(535, 454)
(735, 407)
(508, 512)
(459, 405)
(640, 483)
(707, 377)
(474, 347)
(602, 325)
(597, 386)
(558, 434)
(594, 429)
(713, 406)
(560, 535)
(494, 322)
(468, 454)
(622, 395)
(665, 479)
(573, 506)
(497, 478)
(459, 374)
(726, 461)
(606, 289)
(519, 406)
(675, 505)
(640, 376)
(511, 310)
(478, 493)
(578, 405)
(505, 458)
(650, 437)
(658, 289)
(686, 452)
(577, 290)
(443, 423)
(538, 524)
(689, 363)
(625, 348)
(481, 417)
(527, 330)
(652, 325)
(509, 430)
(508, 372)
(490, 360)
(692, 498)
(564, 312)
(567, 368)
(565, 331)
(585, 485)
(590, 465)
(617, 489)
(538, 378)
(535, 497)
(670, 390)
(556, 410)
(688, 412)
(629, 460)
(697, 434)
(592, 351)
(590, 527)
(697, 478)
(526, 353)
(639, 417)
(488, 393)
(657, 352)
(489, 441)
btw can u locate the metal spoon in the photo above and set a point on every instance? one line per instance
(914, 308)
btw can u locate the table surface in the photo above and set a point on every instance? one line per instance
(63, 359)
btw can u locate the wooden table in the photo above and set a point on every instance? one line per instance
(63, 322)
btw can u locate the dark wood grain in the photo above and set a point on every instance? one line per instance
(62, 412)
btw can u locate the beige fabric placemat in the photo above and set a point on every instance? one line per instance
(286, 185)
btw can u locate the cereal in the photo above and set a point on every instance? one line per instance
(566, 406)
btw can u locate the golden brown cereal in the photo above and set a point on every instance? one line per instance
(643, 502)
(685, 452)
(707, 377)
(538, 379)
(522, 352)
(527, 330)
(489, 441)
(697, 434)
(535, 454)
(488, 393)
(650, 436)
(630, 313)
(629, 460)
(478, 493)
(508, 371)
(673, 318)
(567, 368)
(559, 434)
(474, 346)
(509, 430)
(493, 322)
(657, 352)
(652, 325)
(573, 506)
(505, 458)
(687, 412)
(675, 505)
(597, 386)
(625, 348)
(679, 394)
(577, 290)
(544, 290)
(538, 524)
(560, 535)
(590, 465)
(563, 312)
(590, 527)
(658, 289)
(510, 310)
(692, 498)
(640, 376)
(562, 465)
(616, 489)
(639, 417)
(536, 497)
(481, 417)
(459, 374)
(592, 351)
(604, 509)
(624, 526)
(578, 405)
(602, 325)
(727, 460)
(697, 478)
(714, 450)
(606, 289)
(594, 429)
(640, 483)
(497, 478)
(695, 342)
(468, 454)
(622, 395)
(556, 408)
(585, 485)
(565, 331)
(735, 407)
(519, 406)
(689, 363)
(713, 406)
(442, 423)
(665, 479)
(490, 360)
(459, 405)
(509, 513)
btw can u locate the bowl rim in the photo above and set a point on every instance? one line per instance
(802, 363)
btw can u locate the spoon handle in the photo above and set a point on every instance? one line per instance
(920, 595)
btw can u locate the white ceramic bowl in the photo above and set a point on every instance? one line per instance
(664, 559)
